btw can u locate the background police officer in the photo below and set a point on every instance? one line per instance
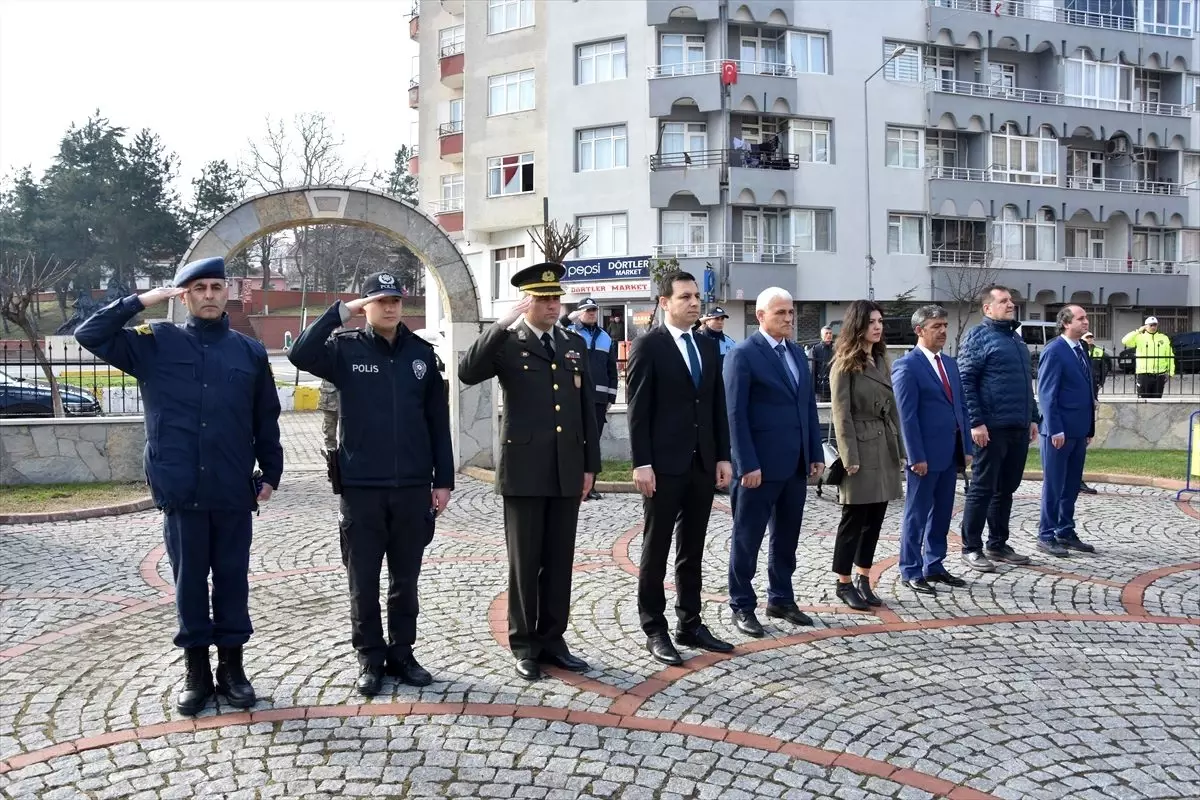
(712, 325)
(211, 411)
(549, 458)
(602, 363)
(396, 466)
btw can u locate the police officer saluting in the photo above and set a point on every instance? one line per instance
(548, 459)
(394, 468)
(211, 411)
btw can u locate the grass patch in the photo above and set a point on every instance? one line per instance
(616, 471)
(1152, 463)
(36, 498)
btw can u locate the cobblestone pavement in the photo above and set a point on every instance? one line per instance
(1075, 678)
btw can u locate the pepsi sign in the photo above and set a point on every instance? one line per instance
(608, 268)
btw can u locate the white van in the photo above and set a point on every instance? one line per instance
(1037, 334)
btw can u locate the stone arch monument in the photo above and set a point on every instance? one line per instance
(471, 408)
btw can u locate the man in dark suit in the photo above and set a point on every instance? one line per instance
(548, 460)
(680, 439)
(1068, 425)
(933, 417)
(776, 444)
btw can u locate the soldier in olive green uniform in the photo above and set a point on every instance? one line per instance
(549, 456)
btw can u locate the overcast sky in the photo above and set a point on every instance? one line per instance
(203, 74)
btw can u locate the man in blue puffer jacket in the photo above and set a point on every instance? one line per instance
(997, 378)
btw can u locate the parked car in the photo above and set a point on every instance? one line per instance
(21, 397)
(1186, 347)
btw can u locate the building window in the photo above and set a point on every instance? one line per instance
(1025, 159)
(600, 62)
(904, 148)
(510, 175)
(1170, 18)
(508, 15)
(1084, 243)
(1095, 84)
(506, 262)
(1099, 319)
(684, 137)
(684, 233)
(810, 140)
(1191, 91)
(904, 67)
(1018, 239)
(958, 240)
(601, 148)
(452, 192)
(941, 149)
(1156, 247)
(681, 54)
(809, 52)
(1171, 320)
(1190, 170)
(608, 235)
(757, 129)
(450, 40)
(906, 234)
(812, 230)
(510, 92)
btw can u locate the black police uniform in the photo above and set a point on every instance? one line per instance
(395, 447)
(211, 412)
(549, 441)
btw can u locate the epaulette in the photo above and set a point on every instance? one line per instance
(348, 332)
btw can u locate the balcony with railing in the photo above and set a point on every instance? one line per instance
(414, 92)
(451, 62)
(449, 213)
(698, 80)
(450, 141)
(753, 266)
(698, 172)
(414, 161)
(946, 257)
(1127, 266)
(1037, 18)
(414, 22)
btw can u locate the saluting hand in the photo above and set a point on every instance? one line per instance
(519, 308)
(161, 294)
(357, 305)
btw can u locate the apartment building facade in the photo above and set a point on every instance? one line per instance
(838, 148)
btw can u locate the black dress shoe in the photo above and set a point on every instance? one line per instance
(528, 669)
(563, 661)
(231, 678)
(659, 645)
(978, 562)
(1007, 555)
(1085, 489)
(594, 495)
(1053, 548)
(702, 637)
(408, 671)
(863, 584)
(1077, 544)
(197, 684)
(920, 586)
(370, 681)
(850, 596)
(790, 613)
(747, 623)
(946, 578)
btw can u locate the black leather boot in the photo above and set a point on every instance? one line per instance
(863, 584)
(231, 678)
(850, 596)
(198, 684)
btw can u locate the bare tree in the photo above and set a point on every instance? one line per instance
(21, 279)
(962, 285)
(557, 242)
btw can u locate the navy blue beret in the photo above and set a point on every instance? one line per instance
(204, 268)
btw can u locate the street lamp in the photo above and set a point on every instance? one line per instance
(899, 51)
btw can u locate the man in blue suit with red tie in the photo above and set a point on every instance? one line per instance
(1068, 425)
(933, 418)
(776, 442)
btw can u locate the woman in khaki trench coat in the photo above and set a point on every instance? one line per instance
(867, 428)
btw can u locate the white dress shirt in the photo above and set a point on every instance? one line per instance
(787, 356)
(681, 345)
(932, 358)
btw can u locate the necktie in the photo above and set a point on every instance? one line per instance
(548, 344)
(781, 351)
(1083, 360)
(693, 359)
(937, 359)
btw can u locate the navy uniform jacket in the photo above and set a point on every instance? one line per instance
(394, 414)
(602, 361)
(210, 403)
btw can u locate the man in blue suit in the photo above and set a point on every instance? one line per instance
(776, 443)
(1068, 425)
(929, 397)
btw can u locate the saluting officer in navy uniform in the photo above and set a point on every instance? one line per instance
(548, 460)
(211, 411)
(396, 465)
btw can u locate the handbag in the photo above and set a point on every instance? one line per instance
(835, 470)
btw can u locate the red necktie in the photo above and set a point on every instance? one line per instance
(945, 381)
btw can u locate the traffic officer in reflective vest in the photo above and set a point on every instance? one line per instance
(548, 460)
(211, 411)
(602, 363)
(395, 466)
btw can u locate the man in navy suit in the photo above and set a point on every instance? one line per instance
(933, 417)
(1068, 425)
(776, 444)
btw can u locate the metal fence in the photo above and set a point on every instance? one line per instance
(89, 387)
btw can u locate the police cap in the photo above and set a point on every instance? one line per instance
(716, 312)
(381, 284)
(541, 280)
(204, 268)
(588, 304)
